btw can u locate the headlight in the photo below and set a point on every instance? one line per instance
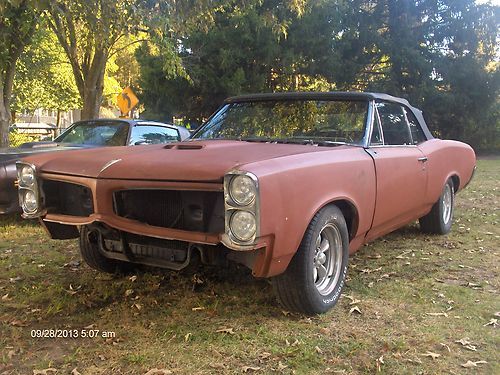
(29, 201)
(242, 190)
(243, 225)
(27, 176)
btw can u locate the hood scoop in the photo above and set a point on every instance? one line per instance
(184, 147)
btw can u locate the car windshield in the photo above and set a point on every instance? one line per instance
(289, 121)
(96, 133)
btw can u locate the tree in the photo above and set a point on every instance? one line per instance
(89, 31)
(44, 78)
(17, 24)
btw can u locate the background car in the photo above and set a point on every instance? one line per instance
(287, 184)
(83, 134)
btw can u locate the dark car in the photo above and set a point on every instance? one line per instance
(83, 134)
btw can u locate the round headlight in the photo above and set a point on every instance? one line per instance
(27, 176)
(243, 225)
(242, 190)
(30, 201)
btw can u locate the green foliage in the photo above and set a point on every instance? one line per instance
(16, 139)
(440, 54)
(44, 78)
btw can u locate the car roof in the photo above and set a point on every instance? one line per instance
(338, 95)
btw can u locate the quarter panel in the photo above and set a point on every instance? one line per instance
(445, 159)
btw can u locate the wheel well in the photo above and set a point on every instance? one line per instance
(456, 182)
(350, 215)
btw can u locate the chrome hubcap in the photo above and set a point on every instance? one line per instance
(447, 203)
(327, 259)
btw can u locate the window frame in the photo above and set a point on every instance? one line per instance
(155, 125)
(376, 116)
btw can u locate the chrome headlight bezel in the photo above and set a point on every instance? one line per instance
(232, 206)
(28, 187)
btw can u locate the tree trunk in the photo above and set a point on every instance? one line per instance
(94, 86)
(4, 116)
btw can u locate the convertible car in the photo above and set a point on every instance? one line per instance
(83, 134)
(287, 184)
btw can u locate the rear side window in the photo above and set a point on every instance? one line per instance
(417, 134)
(394, 125)
(149, 134)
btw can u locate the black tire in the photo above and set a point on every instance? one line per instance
(300, 288)
(439, 220)
(89, 249)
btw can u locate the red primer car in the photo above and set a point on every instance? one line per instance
(287, 184)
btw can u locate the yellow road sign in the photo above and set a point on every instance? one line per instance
(126, 100)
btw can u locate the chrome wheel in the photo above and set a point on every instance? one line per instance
(447, 202)
(327, 259)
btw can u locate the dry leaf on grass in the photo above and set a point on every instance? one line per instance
(318, 350)
(46, 371)
(250, 368)
(158, 371)
(281, 366)
(431, 354)
(229, 331)
(75, 371)
(438, 314)
(18, 323)
(264, 355)
(446, 346)
(198, 308)
(469, 364)
(188, 336)
(129, 292)
(492, 322)
(355, 309)
(133, 278)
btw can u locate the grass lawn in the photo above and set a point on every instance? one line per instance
(413, 304)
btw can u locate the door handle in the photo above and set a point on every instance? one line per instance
(423, 159)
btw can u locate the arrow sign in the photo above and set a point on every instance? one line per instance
(126, 100)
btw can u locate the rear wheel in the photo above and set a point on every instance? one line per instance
(89, 248)
(439, 220)
(314, 278)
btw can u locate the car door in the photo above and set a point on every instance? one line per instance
(400, 169)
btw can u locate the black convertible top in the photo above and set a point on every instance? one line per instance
(332, 95)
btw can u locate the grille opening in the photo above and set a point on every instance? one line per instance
(67, 198)
(185, 210)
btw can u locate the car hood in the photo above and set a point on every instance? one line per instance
(17, 153)
(206, 161)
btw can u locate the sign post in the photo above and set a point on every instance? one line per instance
(126, 101)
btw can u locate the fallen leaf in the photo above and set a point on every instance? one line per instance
(250, 368)
(465, 341)
(198, 308)
(18, 323)
(133, 278)
(137, 306)
(438, 314)
(226, 330)
(157, 371)
(15, 280)
(355, 309)
(5, 297)
(431, 354)
(75, 372)
(493, 322)
(188, 336)
(471, 348)
(45, 371)
(446, 346)
(264, 355)
(90, 326)
(219, 366)
(318, 350)
(469, 364)
(129, 292)
(281, 366)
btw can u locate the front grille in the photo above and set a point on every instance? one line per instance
(67, 198)
(186, 210)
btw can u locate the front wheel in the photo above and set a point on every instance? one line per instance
(313, 281)
(439, 220)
